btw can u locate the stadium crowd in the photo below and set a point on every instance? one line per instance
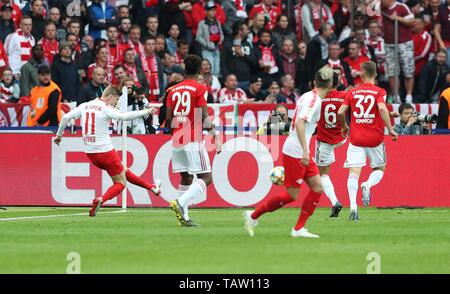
(253, 50)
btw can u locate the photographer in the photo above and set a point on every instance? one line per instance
(137, 101)
(278, 123)
(410, 124)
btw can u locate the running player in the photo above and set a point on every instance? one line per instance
(95, 119)
(329, 137)
(368, 117)
(187, 115)
(297, 161)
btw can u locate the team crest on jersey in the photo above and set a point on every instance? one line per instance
(3, 120)
(299, 181)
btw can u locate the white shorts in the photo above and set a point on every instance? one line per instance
(325, 152)
(356, 156)
(192, 158)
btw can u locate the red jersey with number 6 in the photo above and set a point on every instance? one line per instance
(329, 128)
(366, 124)
(186, 100)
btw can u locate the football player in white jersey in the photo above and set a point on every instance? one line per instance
(95, 117)
(298, 164)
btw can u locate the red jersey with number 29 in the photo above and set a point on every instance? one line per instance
(329, 127)
(186, 100)
(366, 124)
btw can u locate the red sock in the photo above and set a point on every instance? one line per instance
(271, 204)
(138, 181)
(112, 192)
(309, 205)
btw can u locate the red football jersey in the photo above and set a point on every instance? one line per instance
(329, 128)
(366, 124)
(186, 100)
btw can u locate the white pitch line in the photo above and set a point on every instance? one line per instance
(55, 215)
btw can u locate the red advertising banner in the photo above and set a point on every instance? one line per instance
(34, 171)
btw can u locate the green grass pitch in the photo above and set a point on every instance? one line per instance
(150, 241)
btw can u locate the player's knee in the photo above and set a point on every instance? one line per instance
(206, 178)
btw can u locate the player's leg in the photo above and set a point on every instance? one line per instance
(356, 159)
(185, 183)
(138, 181)
(377, 157)
(199, 164)
(311, 201)
(110, 162)
(324, 158)
(293, 177)
(180, 164)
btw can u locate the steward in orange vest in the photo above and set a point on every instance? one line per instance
(443, 121)
(45, 101)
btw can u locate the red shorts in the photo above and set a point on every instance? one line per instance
(295, 172)
(108, 161)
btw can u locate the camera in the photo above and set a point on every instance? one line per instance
(427, 118)
(276, 125)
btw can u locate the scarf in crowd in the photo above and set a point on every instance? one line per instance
(231, 95)
(6, 92)
(315, 11)
(138, 48)
(338, 64)
(152, 76)
(132, 73)
(268, 58)
(109, 69)
(240, 5)
(151, 3)
(115, 56)
(298, 20)
(25, 46)
(51, 48)
(178, 59)
(214, 32)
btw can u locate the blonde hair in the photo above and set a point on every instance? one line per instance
(369, 69)
(111, 90)
(324, 77)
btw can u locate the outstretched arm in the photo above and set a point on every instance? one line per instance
(117, 115)
(384, 112)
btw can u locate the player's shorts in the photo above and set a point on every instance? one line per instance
(405, 58)
(356, 156)
(108, 161)
(192, 158)
(325, 152)
(295, 172)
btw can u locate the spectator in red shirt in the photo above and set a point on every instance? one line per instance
(392, 11)
(270, 12)
(114, 46)
(355, 59)
(422, 45)
(49, 42)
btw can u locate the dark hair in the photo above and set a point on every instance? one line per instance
(263, 31)
(335, 77)
(192, 64)
(152, 16)
(70, 34)
(149, 38)
(280, 106)
(111, 26)
(135, 26)
(369, 69)
(117, 66)
(441, 50)
(97, 51)
(355, 42)
(122, 6)
(237, 26)
(280, 16)
(404, 106)
(75, 20)
(323, 27)
(182, 42)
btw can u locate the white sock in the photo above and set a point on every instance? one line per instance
(329, 189)
(374, 178)
(181, 190)
(408, 98)
(352, 185)
(195, 190)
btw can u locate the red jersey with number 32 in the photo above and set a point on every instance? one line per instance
(329, 128)
(186, 100)
(366, 124)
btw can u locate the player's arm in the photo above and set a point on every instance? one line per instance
(74, 114)
(125, 116)
(341, 117)
(384, 112)
(211, 128)
(169, 118)
(301, 134)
